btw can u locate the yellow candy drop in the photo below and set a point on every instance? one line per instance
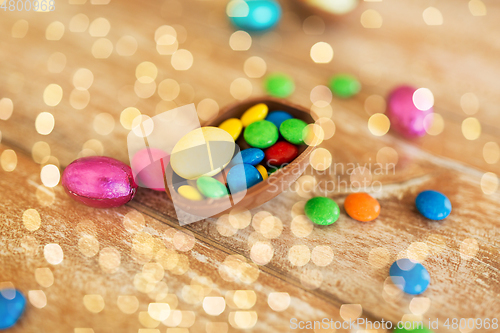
(233, 126)
(190, 193)
(204, 151)
(255, 113)
(262, 171)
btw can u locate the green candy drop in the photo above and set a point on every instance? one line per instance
(293, 130)
(211, 187)
(322, 210)
(261, 134)
(344, 85)
(279, 85)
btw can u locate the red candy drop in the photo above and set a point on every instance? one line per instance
(281, 153)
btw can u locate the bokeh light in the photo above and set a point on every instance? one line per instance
(489, 183)
(321, 53)
(471, 128)
(477, 8)
(491, 152)
(434, 124)
(53, 254)
(31, 219)
(79, 23)
(469, 103)
(279, 301)
(379, 124)
(54, 31)
(20, 29)
(8, 160)
(371, 19)
(44, 123)
(423, 99)
(432, 16)
(52, 94)
(469, 248)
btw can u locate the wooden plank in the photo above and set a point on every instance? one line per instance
(81, 231)
(355, 277)
(452, 59)
(403, 58)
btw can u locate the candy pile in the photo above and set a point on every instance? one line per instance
(274, 140)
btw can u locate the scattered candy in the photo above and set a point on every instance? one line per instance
(344, 85)
(254, 15)
(211, 188)
(433, 205)
(279, 85)
(190, 192)
(255, 113)
(261, 134)
(190, 157)
(99, 181)
(233, 126)
(12, 305)
(242, 176)
(362, 207)
(409, 276)
(252, 156)
(405, 117)
(278, 117)
(322, 210)
(148, 166)
(263, 172)
(293, 131)
(280, 153)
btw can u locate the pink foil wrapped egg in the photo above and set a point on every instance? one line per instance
(407, 108)
(99, 181)
(148, 166)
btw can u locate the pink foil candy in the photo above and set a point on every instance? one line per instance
(99, 181)
(406, 118)
(148, 166)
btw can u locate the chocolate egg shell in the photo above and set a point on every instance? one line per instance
(99, 181)
(405, 117)
(264, 190)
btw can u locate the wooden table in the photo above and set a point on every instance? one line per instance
(114, 259)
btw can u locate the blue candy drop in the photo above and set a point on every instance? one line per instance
(12, 304)
(242, 176)
(410, 276)
(277, 117)
(254, 15)
(433, 205)
(252, 156)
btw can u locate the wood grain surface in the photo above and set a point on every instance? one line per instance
(339, 271)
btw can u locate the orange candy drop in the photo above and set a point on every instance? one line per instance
(362, 207)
